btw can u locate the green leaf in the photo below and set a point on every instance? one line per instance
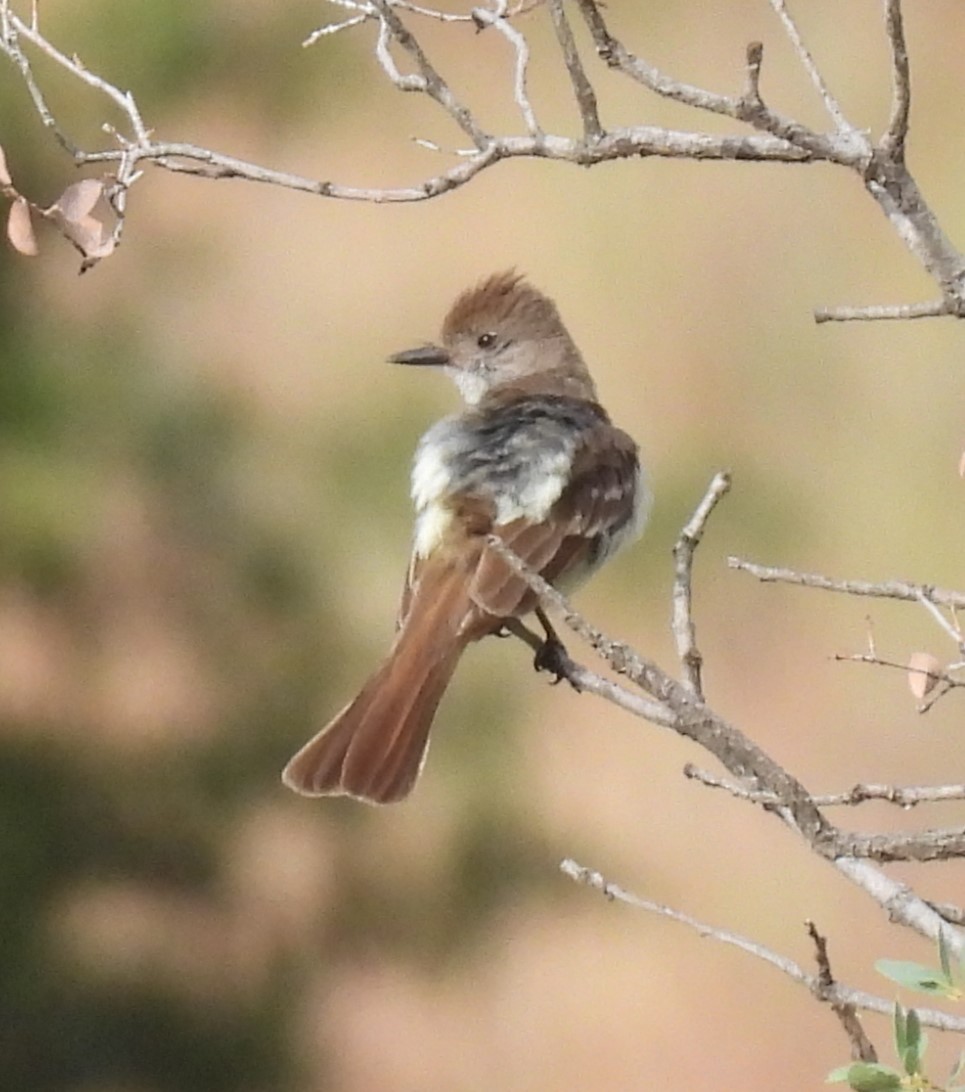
(911, 1055)
(915, 976)
(912, 1028)
(901, 1033)
(911, 1060)
(867, 1077)
(909, 1041)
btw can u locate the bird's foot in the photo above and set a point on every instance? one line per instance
(553, 657)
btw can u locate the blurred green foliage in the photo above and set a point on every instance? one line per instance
(86, 408)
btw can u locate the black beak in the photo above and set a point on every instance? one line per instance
(425, 355)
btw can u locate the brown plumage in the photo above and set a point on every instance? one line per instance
(532, 458)
(374, 748)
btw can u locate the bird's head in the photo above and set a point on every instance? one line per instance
(503, 332)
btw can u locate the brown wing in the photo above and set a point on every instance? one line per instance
(599, 500)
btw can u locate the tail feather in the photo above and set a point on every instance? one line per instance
(375, 747)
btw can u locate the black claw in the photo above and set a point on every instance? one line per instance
(553, 657)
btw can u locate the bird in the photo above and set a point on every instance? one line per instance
(532, 458)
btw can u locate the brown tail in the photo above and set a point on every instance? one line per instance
(375, 747)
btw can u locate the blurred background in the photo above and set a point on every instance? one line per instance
(204, 524)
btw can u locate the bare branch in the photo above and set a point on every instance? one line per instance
(861, 1046)
(893, 142)
(835, 994)
(124, 100)
(334, 28)
(941, 681)
(952, 628)
(899, 902)
(925, 845)
(928, 845)
(745, 760)
(591, 683)
(902, 796)
(582, 89)
(683, 627)
(831, 104)
(755, 58)
(520, 69)
(954, 915)
(895, 190)
(10, 44)
(430, 81)
(364, 10)
(749, 107)
(778, 138)
(878, 312)
(617, 56)
(692, 718)
(889, 589)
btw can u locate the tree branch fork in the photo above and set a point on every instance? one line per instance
(653, 694)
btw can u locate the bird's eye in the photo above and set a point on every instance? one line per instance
(486, 341)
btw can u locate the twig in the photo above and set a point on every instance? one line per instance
(902, 796)
(10, 25)
(591, 683)
(925, 845)
(124, 100)
(837, 993)
(777, 139)
(889, 589)
(752, 72)
(941, 680)
(617, 56)
(893, 141)
(951, 629)
(742, 757)
(848, 148)
(582, 88)
(748, 107)
(879, 312)
(683, 627)
(431, 83)
(861, 1046)
(899, 902)
(831, 104)
(334, 28)
(692, 718)
(586, 681)
(876, 661)
(954, 915)
(520, 68)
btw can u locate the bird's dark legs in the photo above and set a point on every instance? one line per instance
(551, 654)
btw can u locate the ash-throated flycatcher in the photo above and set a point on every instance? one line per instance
(532, 458)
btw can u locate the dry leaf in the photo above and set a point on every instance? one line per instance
(20, 229)
(923, 668)
(961, 466)
(5, 179)
(78, 199)
(90, 236)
